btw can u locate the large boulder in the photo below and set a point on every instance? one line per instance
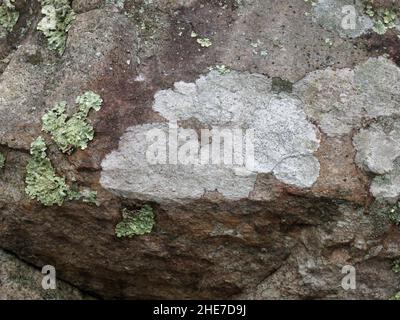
(316, 117)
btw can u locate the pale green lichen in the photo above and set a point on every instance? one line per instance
(2, 160)
(395, 297)
(204, 42)
(135, 223)
(396, 266)
(70, 133)
(222, 69)
(42, 183)
(8, 17)
(384, 18)
(56, 23)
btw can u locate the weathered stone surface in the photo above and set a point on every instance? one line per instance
(325, 145)
(335, 15)
(19, 281)
(340, 100)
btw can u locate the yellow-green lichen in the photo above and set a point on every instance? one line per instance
(42, 183)
(204, 42)
(2, 160)
(384, 18)
(135, 223)
(395, 297)
(70, 133)
(8, 17)
(58, 16)
(222, 69)
(396, 266)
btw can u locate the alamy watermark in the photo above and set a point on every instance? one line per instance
(216, 146)
(350, 17)
(349, 280)
(49, 280)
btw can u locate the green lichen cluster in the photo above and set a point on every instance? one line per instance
(70, 133)
(135, 223)
(393, 213)
(8, 17)
(2, 160)
(384, 18)
(396, 266)
(42, 183)
(395, 297)
(58, 16)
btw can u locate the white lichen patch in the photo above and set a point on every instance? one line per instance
(387, 186)
(345, 17)
(283, 141)
(330, 97)
(339, 99)
(378, 81)
(378, 151)
(378, 146)
(128, 173)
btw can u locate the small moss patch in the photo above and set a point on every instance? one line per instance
(8, 17)
(56, 23)
(135, 223)
(70, 133)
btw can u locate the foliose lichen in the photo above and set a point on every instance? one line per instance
(204, 42)
(8, 17)
(42, 183)
(384, 18)
(395, 297)
(135, 223)
(70, 133)
(56, 23)
(45, 186)
(396, 266)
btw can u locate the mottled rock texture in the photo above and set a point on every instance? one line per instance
(324, 108)
(20, 281)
